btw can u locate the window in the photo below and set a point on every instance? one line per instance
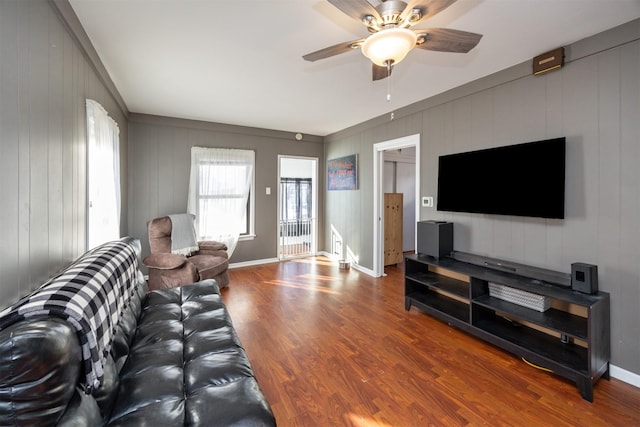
(219, 193)
(103, 176)
(296, 198)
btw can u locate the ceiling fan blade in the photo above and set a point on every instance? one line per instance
(333, 50)
(380, 73)
(357, 9)
(447, 40)
(429, 8)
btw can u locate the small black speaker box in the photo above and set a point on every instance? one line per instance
(584, 278)
(435, 238)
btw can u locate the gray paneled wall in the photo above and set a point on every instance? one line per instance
(44, 80)
(160, 160)
(594, 101)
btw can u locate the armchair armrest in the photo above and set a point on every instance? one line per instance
(164, 261)
(212, 245)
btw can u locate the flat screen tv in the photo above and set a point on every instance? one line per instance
(521, 180)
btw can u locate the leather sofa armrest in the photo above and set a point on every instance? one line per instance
(164, 261)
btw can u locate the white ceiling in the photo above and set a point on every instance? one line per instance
(240, 61)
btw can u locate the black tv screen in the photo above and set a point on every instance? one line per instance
(521, 180)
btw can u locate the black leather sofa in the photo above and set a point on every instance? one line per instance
(173, 359)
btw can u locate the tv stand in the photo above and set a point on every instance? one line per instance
(571, 338)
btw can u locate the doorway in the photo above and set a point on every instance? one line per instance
(378, 193)
(399, 178)
(297, 206)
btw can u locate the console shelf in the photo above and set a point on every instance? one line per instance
(440, 306)
(519, 339)
(554, 319)
(571, 338)
(443, 283)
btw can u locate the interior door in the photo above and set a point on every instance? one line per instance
(393, 207)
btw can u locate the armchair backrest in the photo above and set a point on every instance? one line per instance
(159, 230)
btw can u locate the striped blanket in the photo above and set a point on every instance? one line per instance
(91, 295)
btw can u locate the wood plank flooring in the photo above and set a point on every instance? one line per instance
(336, 348)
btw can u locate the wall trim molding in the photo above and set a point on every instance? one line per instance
(365, 270)
(253, 262)
(624, 375)
(190, 124)
(274, 260)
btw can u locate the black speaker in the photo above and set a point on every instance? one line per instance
(584, 278)
(435, 238)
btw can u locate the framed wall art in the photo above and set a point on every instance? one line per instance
(342, 173)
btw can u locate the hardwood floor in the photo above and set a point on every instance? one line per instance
(336, 348)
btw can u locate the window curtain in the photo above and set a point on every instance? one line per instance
(219, 186)
(103, 182)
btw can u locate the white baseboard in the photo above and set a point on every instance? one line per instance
(365, 270)
(624, 375)
(270, 261)
(336, 258)
(253, 262)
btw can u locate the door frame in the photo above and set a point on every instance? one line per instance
(314, 201)
(378, 196)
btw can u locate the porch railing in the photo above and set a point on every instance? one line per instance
(296, 237)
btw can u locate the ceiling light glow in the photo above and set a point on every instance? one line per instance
(389, 46)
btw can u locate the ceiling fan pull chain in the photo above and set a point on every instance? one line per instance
(388, 81)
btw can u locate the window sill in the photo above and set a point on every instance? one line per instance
(246, 237)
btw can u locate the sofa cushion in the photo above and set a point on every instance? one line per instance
(186, 365)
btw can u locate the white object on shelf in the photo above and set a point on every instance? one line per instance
(523, 298)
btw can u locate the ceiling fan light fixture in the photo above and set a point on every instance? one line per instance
(389, 46)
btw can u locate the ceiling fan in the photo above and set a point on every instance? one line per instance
(391, 37)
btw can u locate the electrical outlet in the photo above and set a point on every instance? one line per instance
(427, 202)
(268, 191)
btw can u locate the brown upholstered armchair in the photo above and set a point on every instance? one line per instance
(168, 270)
